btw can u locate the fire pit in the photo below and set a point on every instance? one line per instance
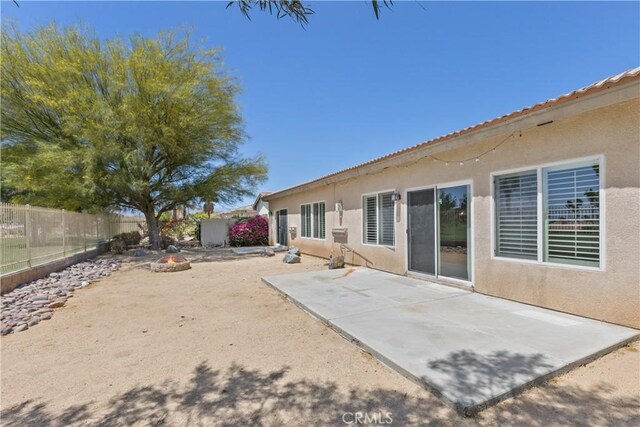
(170, 263)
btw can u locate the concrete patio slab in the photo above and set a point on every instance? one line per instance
(472, 350)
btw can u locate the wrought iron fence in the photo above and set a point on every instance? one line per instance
(30, 235)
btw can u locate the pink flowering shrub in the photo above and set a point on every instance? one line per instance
(251, 232)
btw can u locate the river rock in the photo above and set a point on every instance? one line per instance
(336, 262)
(294, 251)
(32, 302)
(291, 259)
(269, 252)
(20, 328)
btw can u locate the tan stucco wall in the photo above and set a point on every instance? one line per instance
(612, 294)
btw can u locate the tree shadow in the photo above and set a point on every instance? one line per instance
(471, 378)
(475, 381)
(243, 396)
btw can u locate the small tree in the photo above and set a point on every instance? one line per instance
(143, 124)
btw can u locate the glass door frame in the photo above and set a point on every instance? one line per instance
(470, 252)
(434, 189)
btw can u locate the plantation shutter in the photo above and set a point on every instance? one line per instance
(305, 220)
(572, 215)
(371, 219)
(316, 220)
(516, 215)
(321, 220)
(387, 214)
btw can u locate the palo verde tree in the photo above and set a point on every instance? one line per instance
(148, 124)
(298, 10)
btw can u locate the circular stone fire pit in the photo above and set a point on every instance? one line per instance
(170, 263)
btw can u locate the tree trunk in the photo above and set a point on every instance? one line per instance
(154, 230)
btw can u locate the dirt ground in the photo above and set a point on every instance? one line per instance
(215, 346)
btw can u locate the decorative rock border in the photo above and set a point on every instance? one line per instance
(33, 302)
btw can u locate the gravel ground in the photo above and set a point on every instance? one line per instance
(35, 301)
(214, 346)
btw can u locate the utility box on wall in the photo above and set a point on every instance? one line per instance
(340, 235)
(292, 232)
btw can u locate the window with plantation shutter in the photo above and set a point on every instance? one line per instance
(313, 222)
(386, 219)
(572, 214)
(563, 228)
(517, 215)
(321, 220)
(371, 220)
(379, 219)
(305, 220)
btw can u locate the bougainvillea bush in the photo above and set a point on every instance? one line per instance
(250, 232)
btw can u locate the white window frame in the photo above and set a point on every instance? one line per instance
(539, 168)
(364, 223)
(470, 244)
(313, 224)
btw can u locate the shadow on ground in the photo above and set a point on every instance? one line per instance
(243, 396)
(471, 378)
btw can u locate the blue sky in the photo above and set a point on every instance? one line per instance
(348, 88)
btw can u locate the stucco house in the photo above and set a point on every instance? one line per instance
(260, 205)
(541, 206)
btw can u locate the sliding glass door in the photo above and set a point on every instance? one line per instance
(453, 232)
(421, 232)
(438, 232)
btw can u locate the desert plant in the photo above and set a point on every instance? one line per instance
(250, 232)
(118, 246)
(120, 242)
(166, 241)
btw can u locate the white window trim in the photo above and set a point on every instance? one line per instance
(395, 234)
(313, 225)
(600, 158)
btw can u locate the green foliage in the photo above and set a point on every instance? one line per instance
(120, 242)
(145, 124)
(294, 9)
(131, 238)
(118, 246)
(180, 228)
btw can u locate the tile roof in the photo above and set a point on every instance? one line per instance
(609, 82)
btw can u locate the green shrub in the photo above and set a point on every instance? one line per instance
(166, 241)
(120, 242)
(118, 246)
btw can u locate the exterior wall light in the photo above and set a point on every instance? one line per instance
(396, 196)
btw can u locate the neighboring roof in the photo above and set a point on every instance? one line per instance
(239, 209)
(260, 196)
(610, 82)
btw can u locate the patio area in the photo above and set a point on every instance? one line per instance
(469, 349)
